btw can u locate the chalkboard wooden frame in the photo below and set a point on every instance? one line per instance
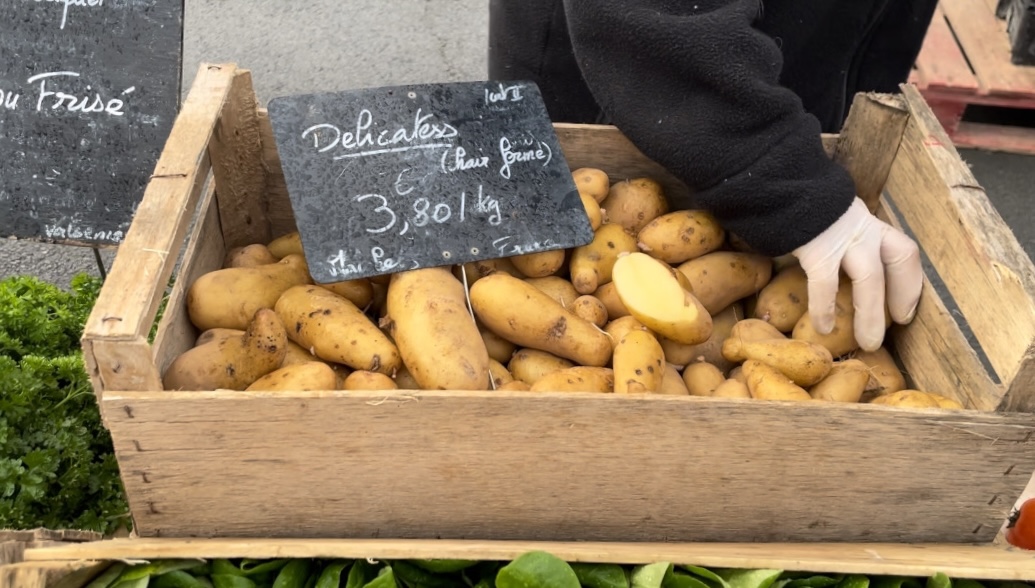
(89, 91)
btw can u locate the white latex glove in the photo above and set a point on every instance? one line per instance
(873, 254)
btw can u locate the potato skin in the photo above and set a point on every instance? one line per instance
(531, 365)
(845, 382)
(368, 380)
(639, 363)
(591, 264)
(803, 362)
(608, 294)
(591, 309)
(577, 379)
(784, 300)
(731, 388)
(252, 255)
(312, 375)
(672, 382)
(721, 278)
(359, 292)
(634, 203)
(681, 235)
(592, 182)
(499, 375)
(539, 264)
(230, 297)
(593, 211)
(711, 350)
(907, 399)
(437, 338)
(499, 348)
(702, 378)
(768, 383)
(618, 328)
(335, 330)
(285, 245)
(526, 316)
(885, 377)
(515, 386)
(557, 288)
(233, 362)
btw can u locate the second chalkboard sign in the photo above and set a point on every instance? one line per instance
(389, 179)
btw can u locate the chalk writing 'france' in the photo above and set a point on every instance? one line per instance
(424, 128)
(67, 3)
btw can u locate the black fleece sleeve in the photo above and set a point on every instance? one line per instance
(696, 88)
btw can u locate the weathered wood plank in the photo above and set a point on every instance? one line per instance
(236, 151)
(979, 562)
(941, 63)
(868, 143)
(127, 305)
(282, 217)
(987, 46)
(684, 465)
(989, 276)
(204, 252)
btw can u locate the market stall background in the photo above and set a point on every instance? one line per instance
(324, 45)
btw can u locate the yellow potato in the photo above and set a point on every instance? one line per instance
(609, 296)
(591, 182)
(672, 382)
(907, 399)
(593, 211)
(754, 330)
(710, 350)
(539, 264)
(312, 375)
(591, 264)
(285, 245)
(335, 330)
(639, 363)
(634, 203)
(885, 377)
(803, 362)
(557, 288)
(732, 388)
(577, 379)
(234, 362)
(438, 339)
(251, 256)
(296, 354)
(217, 334)
(650, 291)
(359, 292)
(946, 402)
(230, 297)
(845, 382)
(737, 374)
(721, 278)
(841, 340)
(702, 378)
(516, 386)
(498, 375)
(784, 300)
(681, 235)
(477, 270)
(768, 383)
(529, 365)
(368, 380)
(523, 314)
(618, 328)
(499, 348)
(590, 308)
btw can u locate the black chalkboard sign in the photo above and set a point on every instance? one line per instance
(389, 179)
(89, 90)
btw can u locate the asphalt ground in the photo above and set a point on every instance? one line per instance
(328, 45)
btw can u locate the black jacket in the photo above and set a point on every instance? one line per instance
(728, 95)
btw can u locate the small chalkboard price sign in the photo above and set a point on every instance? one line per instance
(89, 90)
(390, 179)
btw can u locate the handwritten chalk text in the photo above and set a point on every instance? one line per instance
(67, 3)
(504, 94)
(425, 133)
(523, 151)
(92, 102)
(9, 99)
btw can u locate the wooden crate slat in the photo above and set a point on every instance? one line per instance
(128, 303)
(941, 63)
(997, 137)
(987, 46)
(236, 153)
(282, 218)
(869, 141)
(958, 561)
(173, 446)
(971, 247)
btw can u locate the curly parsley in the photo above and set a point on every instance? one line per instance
(57, 466)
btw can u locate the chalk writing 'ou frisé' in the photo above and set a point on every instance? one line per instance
(9, 99)
(363, 141)
(68, 3)
(90, 102)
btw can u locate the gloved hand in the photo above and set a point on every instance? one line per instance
(873, 254)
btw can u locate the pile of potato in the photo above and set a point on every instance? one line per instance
(662, 302)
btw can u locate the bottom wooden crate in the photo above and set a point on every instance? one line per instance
(977, 562)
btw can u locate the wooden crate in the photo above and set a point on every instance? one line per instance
(15, 572)
(974, 562)
(965, 62)
(562, 467)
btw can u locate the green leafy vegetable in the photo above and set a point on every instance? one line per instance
(57, 467)
(651, 575)
(537, 569)
(600, 575)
